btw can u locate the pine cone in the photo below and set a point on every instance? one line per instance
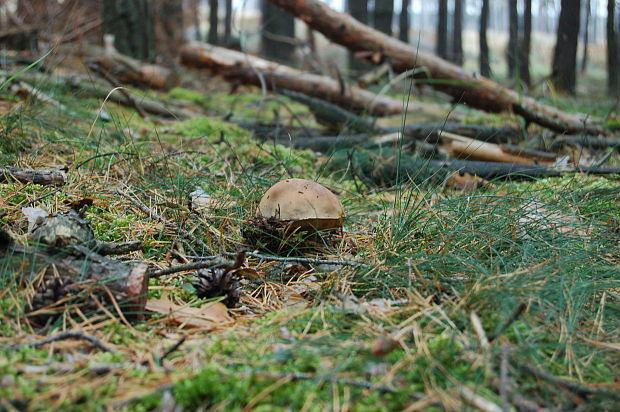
(217, 282)
(51, 289)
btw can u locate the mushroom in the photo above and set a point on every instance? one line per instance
(302, 204)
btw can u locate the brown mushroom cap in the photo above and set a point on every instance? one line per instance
(304, 202)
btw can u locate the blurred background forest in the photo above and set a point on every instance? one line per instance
(489, 37)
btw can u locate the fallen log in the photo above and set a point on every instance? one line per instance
(249, 69)
(383, 170)
(464, 147)
(593, 142)
(464, 87)
(45, 177)
(61, 277)
(339, 119)
(132, 71)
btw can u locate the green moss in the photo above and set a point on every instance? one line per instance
(212, 128)
(192, 96)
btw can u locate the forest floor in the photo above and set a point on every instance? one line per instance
(504, 295)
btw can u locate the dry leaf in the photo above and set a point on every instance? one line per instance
(208, 316)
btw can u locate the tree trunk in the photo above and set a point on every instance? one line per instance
(132, 24)
(526, 41)
(584, 59)
(358, 9)
(403, 31)
(476, 91)
(278, 33)
(457, 39)
(442, 29)
(228, 23)
(612, 49)
(485, 68)
(565, 55)
(169, 29)
(213, 20)
(384, 13)
(513, 36)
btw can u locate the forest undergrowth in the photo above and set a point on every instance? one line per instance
(504, 295)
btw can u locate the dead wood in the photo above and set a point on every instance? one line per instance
(464, 147)
(60, 277)
(343, 121)
(102, 91)
(250, 69)
(593, 142)
(464, 87)
(45, 177)
(132, 71)
(382, 170)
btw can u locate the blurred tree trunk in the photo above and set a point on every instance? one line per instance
(457, 33)
(612, 49)
(485, 68)
(168, 28)
(132, 22)
(526, 42)
(358, 9)
(513, 37)
(213, 20)
(565, 54)
(384, 14)
(228, 23)
(278, 33)
(442, 29)
(584, 59)
(403, 31)
(195, 7)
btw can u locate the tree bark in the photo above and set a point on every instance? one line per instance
(612, 49)
(45, 177)
(526, 41)
(384, 13)
(457, 34)
(127, 70)
(236, 65)
(132, 22)
(278, 33)
(586, 39)
(213, 22)
(442, 29)
(403, 22)
(485, 68)
(169, 29)
(565, 55)
(513, 38)
(228, 23)
(358, 9)
(476, 91)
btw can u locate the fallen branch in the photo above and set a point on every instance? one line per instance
(45, 177)
(464, 87)
(383, 170)
(132, 71)
(72, 335)
(240, 66)
(587, 141)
